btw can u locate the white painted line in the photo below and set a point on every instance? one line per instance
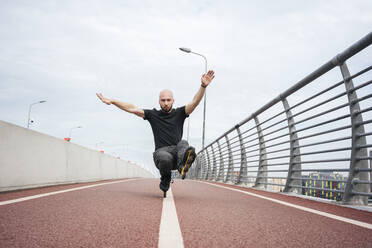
(332, 216)
(60, 191)
(170, 235)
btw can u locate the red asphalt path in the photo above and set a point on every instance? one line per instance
(125, 214)
(128, 213)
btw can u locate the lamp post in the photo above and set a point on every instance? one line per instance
(101, 144)
(29, 112)
(72, 129)
(188, 50)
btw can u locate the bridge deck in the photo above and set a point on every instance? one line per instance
(128, 213)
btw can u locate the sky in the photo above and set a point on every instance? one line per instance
(64, 52)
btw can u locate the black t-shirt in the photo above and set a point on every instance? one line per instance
(166, 127)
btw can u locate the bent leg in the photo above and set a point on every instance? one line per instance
(181, 150)
(164, 162)
(185, 156)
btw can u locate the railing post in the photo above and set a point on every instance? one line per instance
(230, 168)
(294, 169)
(214, 166)
(203, 164)
(200, 165)
(370, 166)
(195, 169)
(208, 174)
(243, 160)
(355, 164)
(222, 164)
(261, 178)
(199, 168)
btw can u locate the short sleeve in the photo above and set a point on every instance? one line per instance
(147, 114)
(183, 109)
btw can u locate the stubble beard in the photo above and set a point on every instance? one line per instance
(167, 111)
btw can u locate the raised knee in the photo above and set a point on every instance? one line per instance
(183, 143)
(164, 157)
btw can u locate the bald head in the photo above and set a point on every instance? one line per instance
(165, 93)
(166, 100)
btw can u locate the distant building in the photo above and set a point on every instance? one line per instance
(276, 184)
(324, 185)
(235, 176)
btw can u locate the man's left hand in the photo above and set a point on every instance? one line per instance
(207, 78)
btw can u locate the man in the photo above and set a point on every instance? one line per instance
(171, 153)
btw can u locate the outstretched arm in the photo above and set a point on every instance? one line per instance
(130, 108)
(205, 81)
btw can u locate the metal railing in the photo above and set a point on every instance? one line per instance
(317, 145)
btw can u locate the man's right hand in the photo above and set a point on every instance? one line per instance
(104, 100)
(130, 108)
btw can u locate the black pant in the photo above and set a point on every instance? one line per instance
(170, 158)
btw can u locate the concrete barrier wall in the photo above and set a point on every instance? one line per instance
(32, 159)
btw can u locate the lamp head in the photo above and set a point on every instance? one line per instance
(186, 50)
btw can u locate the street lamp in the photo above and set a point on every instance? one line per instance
(29, 112)
(72, 129)
(188, 50)
(101, 145)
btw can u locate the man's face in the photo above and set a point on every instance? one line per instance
(166, 100)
